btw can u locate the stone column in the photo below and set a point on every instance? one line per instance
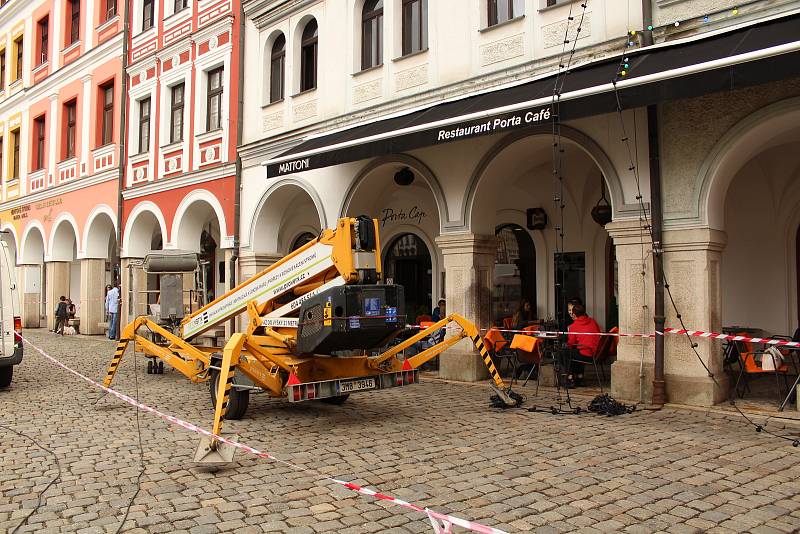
(57, 273)
(692, 259)
(632, 372)
(92, 311)
(250, 264)
(469, 266)
(30, 285)
(134, 280)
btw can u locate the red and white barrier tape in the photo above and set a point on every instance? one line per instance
(677, 331)
(441, 523)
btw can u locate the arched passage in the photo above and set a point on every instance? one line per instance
(64, 268)
(32, 276)
(145, 230)
(288, 210)
(516, 177)
(404, 195)
(199, 227)
(98, 268)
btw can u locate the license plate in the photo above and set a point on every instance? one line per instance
(357, 385)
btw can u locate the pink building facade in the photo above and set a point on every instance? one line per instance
(60, 120)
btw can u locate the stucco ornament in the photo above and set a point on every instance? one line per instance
(213, 43)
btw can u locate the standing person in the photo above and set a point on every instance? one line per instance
(581, 342)
(61, 315)
(112, 308)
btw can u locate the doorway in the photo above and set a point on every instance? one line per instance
(408, 263)
(570, 269)
(514, 272)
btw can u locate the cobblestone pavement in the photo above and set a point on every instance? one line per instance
(436, 444)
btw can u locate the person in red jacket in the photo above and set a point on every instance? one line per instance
(582, 344)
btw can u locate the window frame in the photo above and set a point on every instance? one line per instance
(3, 70)
(176, 134)
(148, 8)
(70, 128)
(19, 45)
(213, 93)
(144, 124)
(493, 14)
(43, 29)
(312, 44)
(110, 11)
(376, 38)
(74, 33)
(407, 37)
(40, 124)
(107, 127)
(179, 5)
(15, 141)
(277, 58)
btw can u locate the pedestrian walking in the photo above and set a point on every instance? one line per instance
(62, 314)
(112, 309)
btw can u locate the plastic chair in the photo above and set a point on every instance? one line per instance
(528, 350)
(497, 345)
(749, 368)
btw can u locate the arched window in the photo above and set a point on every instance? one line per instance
(415, 26)
(277, 69)
(308, 57)
(503, 10)
(372, 34)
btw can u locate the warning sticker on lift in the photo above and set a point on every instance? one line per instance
(280, 322)
(354, 322)
(391, 314)
(372, 307)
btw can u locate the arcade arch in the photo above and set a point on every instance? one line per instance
(32, 275)
(409, 208)
(516, 176)
(288, 210)
(64, 268)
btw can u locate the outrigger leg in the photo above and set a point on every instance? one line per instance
(211, 450)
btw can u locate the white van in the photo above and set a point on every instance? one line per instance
(10, 317)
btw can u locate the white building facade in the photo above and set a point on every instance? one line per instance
(437, 117)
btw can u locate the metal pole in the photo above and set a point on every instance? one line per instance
(656, 221)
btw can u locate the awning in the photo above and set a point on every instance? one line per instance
(752, 54)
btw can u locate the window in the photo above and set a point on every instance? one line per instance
(15, 155)
(38, 155)
(503, 10)
(415, 26)
(107, 126)
(44, 42)
(3, 70)
(180, 5)
(74, 23)
(144, 125)
(372, 34)
(277, 69)
(18, 45)
(111, 9)
(176, 111)
(70, 114)
(214, 102)
(147, 14)
(308, 57)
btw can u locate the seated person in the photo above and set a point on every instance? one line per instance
(583, 345)
(439, 311)
(524, 315)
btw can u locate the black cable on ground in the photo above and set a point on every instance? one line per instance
(496, 402)
(41, 493)
(141, 447)
(607, 405)
(622, 70)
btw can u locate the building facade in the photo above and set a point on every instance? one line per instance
(60, 111)
(437, 119)
(180, 177)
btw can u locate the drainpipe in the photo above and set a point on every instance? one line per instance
(657, 223)
(123, 155)
(238, 178)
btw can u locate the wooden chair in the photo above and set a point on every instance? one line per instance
(606, 349)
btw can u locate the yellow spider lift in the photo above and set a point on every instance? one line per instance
(316, 320)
